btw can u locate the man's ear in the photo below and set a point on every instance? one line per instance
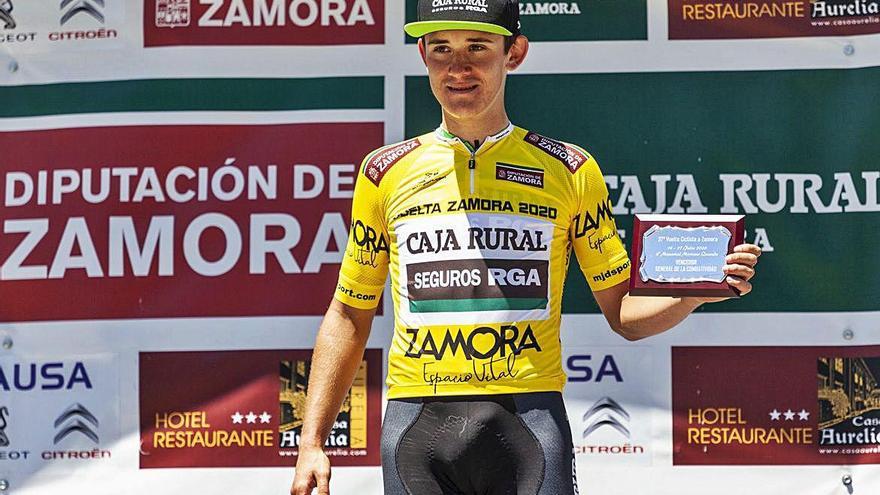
(422, 50)
(518, 51)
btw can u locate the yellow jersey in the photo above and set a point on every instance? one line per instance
(478, 243)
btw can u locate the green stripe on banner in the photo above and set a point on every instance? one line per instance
(177, 95)
(442, 305)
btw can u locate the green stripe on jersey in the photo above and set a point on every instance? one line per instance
(491, 304)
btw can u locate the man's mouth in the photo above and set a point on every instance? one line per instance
(461, 89)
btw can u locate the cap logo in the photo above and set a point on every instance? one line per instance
(490, 16)
(470, 5)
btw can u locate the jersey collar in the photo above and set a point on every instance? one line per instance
(451, 139)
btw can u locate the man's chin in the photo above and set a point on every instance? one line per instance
(463, 110)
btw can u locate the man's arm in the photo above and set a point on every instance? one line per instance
(635, 318)
(339, 350)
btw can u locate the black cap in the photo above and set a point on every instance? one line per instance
(491, 16)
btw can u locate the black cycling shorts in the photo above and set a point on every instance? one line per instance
(514, 444)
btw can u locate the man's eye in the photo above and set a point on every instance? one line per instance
(441, 49)
(477, 48)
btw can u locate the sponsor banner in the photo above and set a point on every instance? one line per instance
(263, 22)
(776, 405)
(58, 412)
(607, 399)
(584, 20)
(72, 25)
(573, 20)
(472, 268)
(720, 19)
(164, 221)
(808, 202)
(249, 410)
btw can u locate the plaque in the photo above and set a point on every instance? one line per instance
(683, 255)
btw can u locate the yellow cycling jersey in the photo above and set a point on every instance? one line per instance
(478, 244)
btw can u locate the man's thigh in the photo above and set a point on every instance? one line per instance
(413, 429)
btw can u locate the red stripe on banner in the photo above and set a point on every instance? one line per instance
(161, 221)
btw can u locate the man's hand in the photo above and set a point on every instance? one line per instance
(312, 471)
(339, 349)
(740, 268)
(639, 317)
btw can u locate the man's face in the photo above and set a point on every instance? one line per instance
(467, 70)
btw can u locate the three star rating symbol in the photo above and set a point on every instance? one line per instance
(789, 415)
(250, 418)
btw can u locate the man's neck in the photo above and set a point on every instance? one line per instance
(471, 130)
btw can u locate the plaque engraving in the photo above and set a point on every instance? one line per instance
(680, 254)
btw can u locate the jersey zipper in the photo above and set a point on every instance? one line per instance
(472, 163)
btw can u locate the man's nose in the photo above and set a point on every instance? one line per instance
(460, 64)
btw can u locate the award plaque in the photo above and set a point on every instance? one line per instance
(683, 255)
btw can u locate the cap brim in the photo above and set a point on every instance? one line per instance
(421, 28)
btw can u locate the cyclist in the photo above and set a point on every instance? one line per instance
(475, 222)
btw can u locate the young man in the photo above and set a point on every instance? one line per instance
(476, 222)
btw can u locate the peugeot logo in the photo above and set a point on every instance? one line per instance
(71, 421)
(6, 14)
(81, 6)
(600, 411)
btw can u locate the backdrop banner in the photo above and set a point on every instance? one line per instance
(176, 180)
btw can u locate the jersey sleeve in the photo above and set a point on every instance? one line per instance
(593, 232)
(365, 262)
